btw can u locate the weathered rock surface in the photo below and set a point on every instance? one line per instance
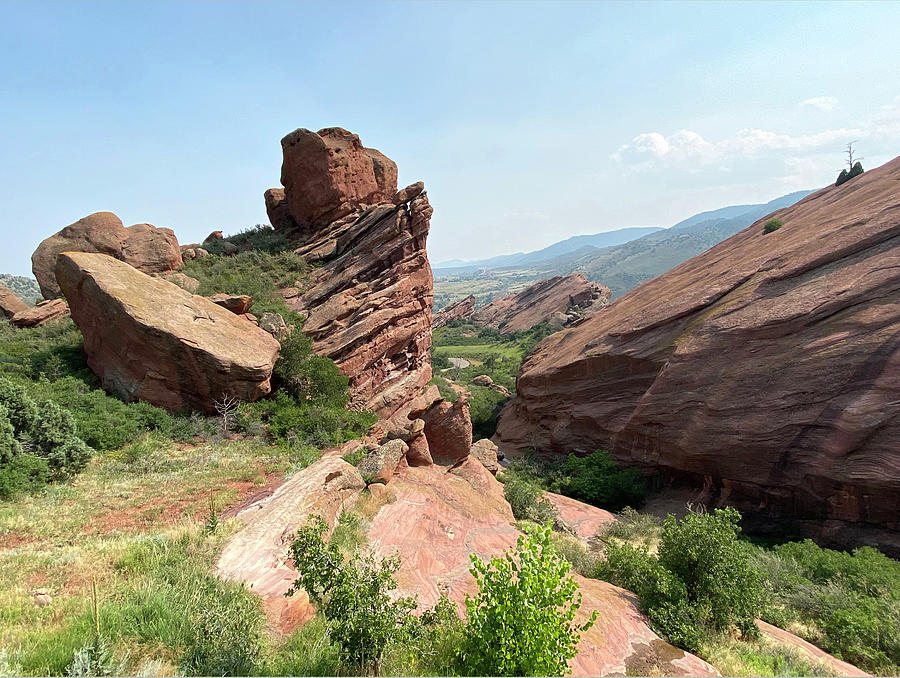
(368, 305)
(10, 304)
(570, 296)
(145, 247)
(382, 462)
(41, 314)
(766, 370)
(448, 428)
(456, 311)
(329, 174)
(808, 651)
(236, 303)
(582, 520)
(440, 517)
(148, 339)
(486, 452)
(258, 554)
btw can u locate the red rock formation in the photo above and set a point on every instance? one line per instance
(10, 304)
(278, 210)
(41, 314)
(560, 301)
(145, 247)
(236, 303)
(329, 174)
(767, 369)
(455, 311)
(150, 340)
(448, 428)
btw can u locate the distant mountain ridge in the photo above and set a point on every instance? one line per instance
(621, 266)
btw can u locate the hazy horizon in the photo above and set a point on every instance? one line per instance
(528, 122)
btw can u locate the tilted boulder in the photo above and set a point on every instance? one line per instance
(147, 339)
(145, 247)
(448, 428)
(278, 210)
(765, 370)
(236, 303)
(328, 174)
(486, 452)
(559, 300)
(10, 304)
(42, 313)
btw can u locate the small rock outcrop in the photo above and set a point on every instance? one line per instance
(458, 310)
(236, 303)
(10, 304)
(448, 428)
(329, 174)
(369, 303)
(145, 247)
(41, 314)
(147, 339)
(486, 452)
(765, 370)
(562, 300)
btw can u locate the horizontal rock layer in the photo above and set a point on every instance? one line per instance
(766, 370)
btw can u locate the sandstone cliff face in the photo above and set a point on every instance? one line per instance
(150, 340)
(369, 304)
(455, 311)
(145, 247)
(766, 369)
(561, 301)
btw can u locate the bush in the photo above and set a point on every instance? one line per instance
(595, 479)
(257, 273)
(260, 237)
(701, 581)
(846, 176)
(353, 596)
(772, 225)
(521, 621)
(309, 377)
(526, 500)
(485, 405)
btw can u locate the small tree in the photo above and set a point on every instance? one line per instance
(521, 622)
(854, 166)
(227, 406)
(352, 595)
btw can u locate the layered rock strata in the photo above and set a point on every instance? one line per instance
(766, 370)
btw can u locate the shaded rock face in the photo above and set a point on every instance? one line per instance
(329, 174)
(147, 339)
(561, 300)
(448, 428)
(10, 304)
(766, 370)
(278, 210)
(145, 247)
(455, 311)
(41, 314)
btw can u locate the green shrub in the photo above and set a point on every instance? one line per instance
(309, 377)
(526, 500)
(261, 237)
(772, 225)
(701, 581)
(485, 405)
(354, 596)
(21, 410)
(846, 176)
(257, 273)
(595, 479)
(521, 621)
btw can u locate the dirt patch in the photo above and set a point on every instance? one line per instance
(13, 540)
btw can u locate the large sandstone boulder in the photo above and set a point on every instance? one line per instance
(150, 340)
(456, 311)
(766, 370)
(328, 174)
(145, 247)
(278, 210)
(448, 428)
(560, 300)
(10, 304)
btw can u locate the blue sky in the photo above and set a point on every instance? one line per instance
(528, 122)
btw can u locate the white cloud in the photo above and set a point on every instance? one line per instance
(690, 149)
(822, 103)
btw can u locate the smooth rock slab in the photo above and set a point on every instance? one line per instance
(150, 340)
